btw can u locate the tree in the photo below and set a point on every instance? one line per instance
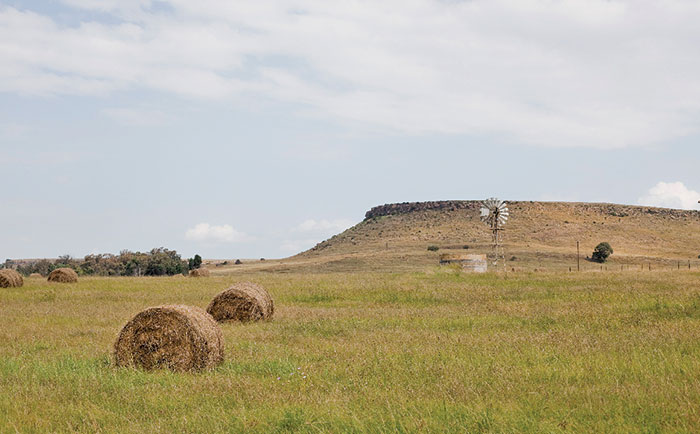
(195, 262)
(601, 252)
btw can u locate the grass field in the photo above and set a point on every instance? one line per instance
(433, 351)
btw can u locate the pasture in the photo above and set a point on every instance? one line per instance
(432, 351)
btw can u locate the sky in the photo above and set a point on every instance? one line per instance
(245, 129)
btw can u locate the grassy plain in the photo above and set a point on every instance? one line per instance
(429, 351)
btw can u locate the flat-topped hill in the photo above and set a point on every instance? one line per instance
(538, 234)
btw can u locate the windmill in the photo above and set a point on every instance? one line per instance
(494, 213)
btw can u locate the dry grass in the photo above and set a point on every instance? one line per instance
(430, 351)
(179, 338)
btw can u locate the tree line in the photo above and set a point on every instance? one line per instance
(158, 262)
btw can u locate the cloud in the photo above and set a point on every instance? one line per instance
(134, 116)
(671, 195)
(324, 226)
(204, 232)
(603, 74)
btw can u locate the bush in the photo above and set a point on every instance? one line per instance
(433, 248)
(602, 252)
(195, 262)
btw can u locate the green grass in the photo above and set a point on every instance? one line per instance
(381, 352)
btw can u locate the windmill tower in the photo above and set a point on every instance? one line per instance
(494, 213)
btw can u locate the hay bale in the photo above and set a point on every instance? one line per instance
(176, 337)
(63, 275)
(199, 272)
(35, 275)
(10, 278)
(243, 301)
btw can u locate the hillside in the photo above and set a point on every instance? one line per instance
(539, 234)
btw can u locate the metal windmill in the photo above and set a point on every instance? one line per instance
(494, 213)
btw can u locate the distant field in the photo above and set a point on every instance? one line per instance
(432, 351)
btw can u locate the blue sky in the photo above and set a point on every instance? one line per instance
(249, 129)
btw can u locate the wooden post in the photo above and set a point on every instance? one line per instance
(578, 255)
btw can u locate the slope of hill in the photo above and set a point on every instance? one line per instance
(539, 234)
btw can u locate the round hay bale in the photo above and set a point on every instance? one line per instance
(35, 275)
(63, 275)
(199, 272)
(243, 301)
(10, 278)
(176, 337)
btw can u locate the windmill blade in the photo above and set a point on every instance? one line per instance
(490, 202)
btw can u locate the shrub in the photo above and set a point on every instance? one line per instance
(601, 252)
(195, 262)
(433, 248)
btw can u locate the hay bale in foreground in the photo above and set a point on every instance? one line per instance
(10, 278)
(176, 337)
(199, 272)
(243, 301)
(63, 275)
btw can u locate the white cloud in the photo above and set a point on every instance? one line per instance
(324, 226)
(671, 195)
(204, 232)
(605, 74)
